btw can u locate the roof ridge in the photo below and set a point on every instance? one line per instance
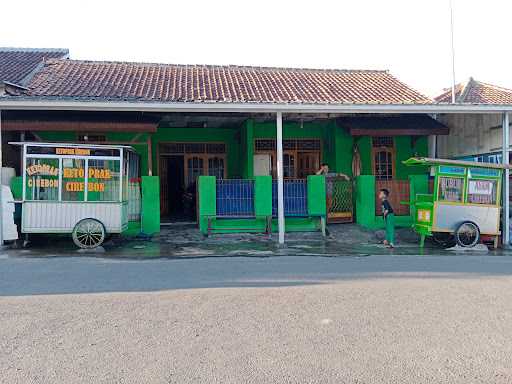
(85, 61)
(42, 50)
(466, 88)
(493, 86)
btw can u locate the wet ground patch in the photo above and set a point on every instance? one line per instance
(185, 241)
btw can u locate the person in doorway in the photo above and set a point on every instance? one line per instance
(324, 170)
(389, 218)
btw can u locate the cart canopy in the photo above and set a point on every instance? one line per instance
(426, 161)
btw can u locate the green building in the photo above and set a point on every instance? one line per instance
(222, 122)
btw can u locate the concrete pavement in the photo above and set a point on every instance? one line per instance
(391, 319)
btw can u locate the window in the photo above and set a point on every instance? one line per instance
(383, 157)
(383, 163)
(451, 189)
(482, 191)
(194, 169)
(382, 141)
(309, 163)
(192, 148)
(73, 180)
(103, 182)
(288, 165)
(216, 167)
(42, 179)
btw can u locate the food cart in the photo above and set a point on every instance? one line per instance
(78, 189)
(464, 204)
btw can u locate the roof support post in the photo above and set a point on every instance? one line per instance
(280, 181)
(149, 144)
(506, 180)
(1, 189)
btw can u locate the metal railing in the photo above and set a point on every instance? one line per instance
(235, 198)
(295, 197)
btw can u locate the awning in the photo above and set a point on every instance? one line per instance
(426, 161)
(79, 122)
(401, 125)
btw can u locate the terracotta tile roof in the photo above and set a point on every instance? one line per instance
(224, 84)
(476, 92)
(17, 64)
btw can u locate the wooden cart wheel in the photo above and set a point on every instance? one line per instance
(467, 234)
(88, 233)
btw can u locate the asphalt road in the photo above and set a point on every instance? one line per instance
(378, 319)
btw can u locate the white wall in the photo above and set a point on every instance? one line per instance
(470, 134)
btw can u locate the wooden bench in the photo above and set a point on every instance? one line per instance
(268, 223)
(210, 218)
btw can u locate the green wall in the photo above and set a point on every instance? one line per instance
(336, 148)
(405, 147)
(150, 212)
(365, 201)
(336, 143)
(229, 136)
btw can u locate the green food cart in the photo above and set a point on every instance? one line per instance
(464, 203)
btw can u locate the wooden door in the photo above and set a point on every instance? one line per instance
(309, 163)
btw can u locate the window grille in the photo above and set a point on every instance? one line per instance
(288, 145)
(383, 141)
(182, 148)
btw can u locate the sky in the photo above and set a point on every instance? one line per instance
(410, 38)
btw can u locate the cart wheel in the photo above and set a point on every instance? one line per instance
(467, 234)
(88, 233)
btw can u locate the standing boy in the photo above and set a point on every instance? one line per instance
(389, 217)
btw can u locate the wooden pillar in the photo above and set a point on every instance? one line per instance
(150, 155)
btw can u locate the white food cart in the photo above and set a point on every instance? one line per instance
(78, 189)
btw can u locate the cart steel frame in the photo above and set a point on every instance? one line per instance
(465, 201)
(78, 189)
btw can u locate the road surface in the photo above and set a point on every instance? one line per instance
(376, 319)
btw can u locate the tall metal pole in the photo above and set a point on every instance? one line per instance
(453, 52)
(1, 189)
(280, 182)
(506, 181)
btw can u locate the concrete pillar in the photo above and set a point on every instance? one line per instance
(280, 181)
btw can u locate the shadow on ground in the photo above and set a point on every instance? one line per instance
(173, 262)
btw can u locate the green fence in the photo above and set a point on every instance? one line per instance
(235, 206)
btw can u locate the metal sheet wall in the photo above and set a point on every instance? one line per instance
(44, 216)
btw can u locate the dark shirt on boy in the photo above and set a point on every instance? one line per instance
(386, 206)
